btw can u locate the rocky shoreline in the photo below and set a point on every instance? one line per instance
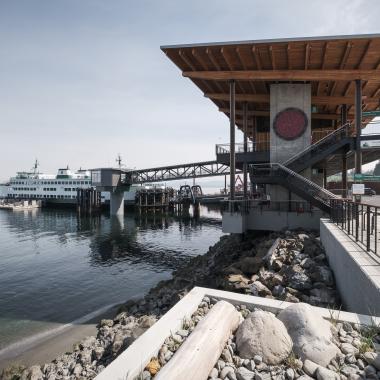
(288, 266)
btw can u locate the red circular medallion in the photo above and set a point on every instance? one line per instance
(290, 123)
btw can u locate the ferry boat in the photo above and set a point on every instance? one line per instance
(59, 189)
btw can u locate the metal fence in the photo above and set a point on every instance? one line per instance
(243, 206)
(358, 220)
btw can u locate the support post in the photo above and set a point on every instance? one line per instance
(358, 125)
(325, 178)
(232, 140)
(245, 164)
(343, 115)
(344, 175)
(117, 203)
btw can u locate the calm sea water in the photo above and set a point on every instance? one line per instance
(56, 268)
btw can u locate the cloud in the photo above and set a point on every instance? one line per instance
(84, 80)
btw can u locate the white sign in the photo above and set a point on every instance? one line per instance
(358, 189)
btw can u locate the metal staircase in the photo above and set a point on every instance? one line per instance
(286, 174)
(314, 153)
(279, 174)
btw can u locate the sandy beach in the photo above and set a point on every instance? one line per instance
(46, 349)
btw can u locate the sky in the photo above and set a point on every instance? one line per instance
(84, 80)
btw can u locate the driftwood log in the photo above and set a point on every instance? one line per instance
(198, 354)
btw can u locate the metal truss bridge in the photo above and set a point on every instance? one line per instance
(175, 172)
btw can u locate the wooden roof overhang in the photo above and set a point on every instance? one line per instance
(330, 64)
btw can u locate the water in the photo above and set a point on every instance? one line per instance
(56, 268)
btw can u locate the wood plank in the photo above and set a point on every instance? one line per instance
(320, 100)
(198, 354)
(287, 75)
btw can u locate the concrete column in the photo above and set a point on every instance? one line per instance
(358, 125)
(245, 164)
(117, 203)
(232, 140)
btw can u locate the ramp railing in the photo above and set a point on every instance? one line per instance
(358, 220)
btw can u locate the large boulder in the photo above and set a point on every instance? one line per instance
(311, 334)
(263, 334)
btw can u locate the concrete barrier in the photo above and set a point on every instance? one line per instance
(357, 272)
(132, 361)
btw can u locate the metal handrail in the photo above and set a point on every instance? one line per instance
(345, 128)
(252, 146)
(358, 220)
(318, 192)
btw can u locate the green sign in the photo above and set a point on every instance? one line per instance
(366, 177)
(371, 113)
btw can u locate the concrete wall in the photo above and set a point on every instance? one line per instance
(279, 220)
(234, 223)
(357, 272)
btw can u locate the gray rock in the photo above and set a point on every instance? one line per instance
(324, 274)
(370, 369)
(77, 370)
(263, 376)
(35, 373)
(326, 374)
(347, 348)
(304, 377)
(225, 371)
(261, 333)
(300, 281)
(243, 373)
(289, 374)
(259, 289)
(226, 356)
(372, 358)
(220, 364)
(348, 370)
(213, 374)
(310, 367)
(348, 327)
(146, 375)
(257, 359)
(311, 334)
(278, 291)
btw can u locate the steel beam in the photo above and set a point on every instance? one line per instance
(176, 172)
(245, 143)
(358, 125)
(232, 140)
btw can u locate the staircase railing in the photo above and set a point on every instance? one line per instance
(326, 141)
(286, 174)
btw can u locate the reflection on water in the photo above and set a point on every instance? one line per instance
(56, 268)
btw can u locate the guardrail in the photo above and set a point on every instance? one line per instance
(326, 141)
(252, 146)
(358, 220)
(243, 206)
(277, 169)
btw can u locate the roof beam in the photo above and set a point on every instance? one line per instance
(265, 98)
(286, 75)
(323, 116)
(307, 55)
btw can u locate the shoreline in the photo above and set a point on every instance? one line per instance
(44, 347)
(298, 272)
